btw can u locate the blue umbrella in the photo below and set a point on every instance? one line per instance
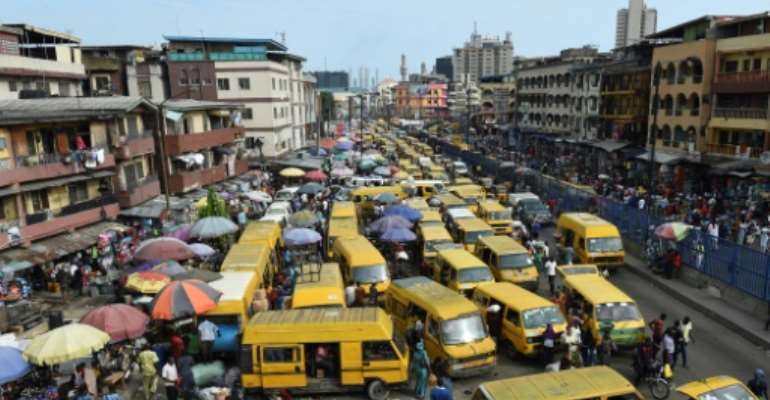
(386, 198)
(301, 236)
(398, 235)
(344, 146)
(12, 365)
(391, 222)
(405, 212)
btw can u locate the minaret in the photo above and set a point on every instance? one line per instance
(404, 71)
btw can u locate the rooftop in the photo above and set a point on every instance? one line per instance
(196, 105)
(45, 32)
(15, 111)
(270, 44)
(677, 31)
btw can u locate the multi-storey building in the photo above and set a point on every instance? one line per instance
(37, 62)
(65, 163)
(203, 144)
(634, 23)
(310, 98)
(258, 73)
(498, 98)
(427, 100)
(332, 80)
(125, 71)
(481, 57)
(444, 67)
(586, 83)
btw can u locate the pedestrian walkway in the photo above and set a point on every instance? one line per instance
(739, 321)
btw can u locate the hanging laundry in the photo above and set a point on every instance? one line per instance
(80, 143)
(99, 156)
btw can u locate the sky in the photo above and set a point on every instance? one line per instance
(346, 34)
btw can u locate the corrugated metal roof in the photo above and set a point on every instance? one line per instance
(192, 105)
(269, 43)
(15, 111)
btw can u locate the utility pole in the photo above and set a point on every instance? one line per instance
(653, 132)
(468, 117)
(160, 121)
(350, 113)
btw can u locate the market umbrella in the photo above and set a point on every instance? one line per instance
(12, 365)
(391, 222)
(291, 172)
(258, 196)
(184, 299)
(673, 231)
(181, 232)
(393, 169)
(342, 172)
(301, 236)
(199, 274)
(367, 163)
(398, 235)
(401, 175)
(303, 219)
(340, 156)
(120, 321)
(144, 266)
(316, 176)
(202, 250)
(65, 343)
(327, 143)
(169, 268)
(382, 171)
(406, 212)
(311, 188)
(163, 248)
(148, 282)
(343, 146)
(343, 139)
(386, 198)
(213, 227)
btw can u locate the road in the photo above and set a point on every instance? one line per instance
(716, 350)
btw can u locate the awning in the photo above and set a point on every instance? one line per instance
(730, 166)
(632, 152)
(7, 191)
(153, 208)
(662, 157)
(15, 266)
(611, 145)
(32, 186)
(58, 246)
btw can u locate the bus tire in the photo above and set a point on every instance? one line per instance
(377, 390)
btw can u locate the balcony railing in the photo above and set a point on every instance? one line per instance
(744, 76)
(740, 113)
(734, 150)
(38, 159)
(130, 186)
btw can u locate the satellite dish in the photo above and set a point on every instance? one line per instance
(764, 158)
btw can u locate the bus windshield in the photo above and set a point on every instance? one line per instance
(370, 273)
(475, 274)
(605, 245)
(473, 237)
(500, 215)
(433, 245)
(465, 329)
(610, 312)
(510, 261)
(540, 317)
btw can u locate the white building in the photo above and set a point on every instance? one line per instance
(34, 58)
(385, 91)
(483, 56)
(634, 23)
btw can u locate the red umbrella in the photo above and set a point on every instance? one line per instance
(184, 299)
(120, 321)
(316, 176)
(328, 143)
(163, 248)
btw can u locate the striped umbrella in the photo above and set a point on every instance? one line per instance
(182, 299)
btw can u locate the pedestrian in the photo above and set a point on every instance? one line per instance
(550, 269)
(170, 377)
(669, 346)
(177, 344)
(420, 369)
(148, 360)
(208, 335)
(606, 348)
(680, 347)
(350, 294)
(549, 344)
(658, 327)
(758, 384)
(374, 295)
(439, 390)
(112, 394)
(186, 377)
(360, 295)
(572, 340)
(587, 345)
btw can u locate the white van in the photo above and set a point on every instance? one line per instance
(362, 181)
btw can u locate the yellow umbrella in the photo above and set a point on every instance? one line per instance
(66, 343)
(148, 282)
(202, 202)
(292, 173)
(401, 175)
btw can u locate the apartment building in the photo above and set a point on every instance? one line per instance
(260, 74)
(203, 144)
(427, 100)
(482, 56)
(37, 62)
(66, 163)
(498, 98)
(125, 70)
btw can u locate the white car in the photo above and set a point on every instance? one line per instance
(278, 212)
(459, 168)
(286, 194)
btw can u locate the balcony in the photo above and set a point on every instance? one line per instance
(135, 145)
(46, 166)
(43, 225)
(35, 67)
(732, 150)
(743, 82)
(139, 192)
(182, 182)
(178, 144)
(740, 118)
(742, 113)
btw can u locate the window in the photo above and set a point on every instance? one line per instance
(206, 124)
(273, 83)
(757, 64)
(78, 192)
(512, 316)
(207, 82)
(244, 83)
(13, 88)
(223, 84)
(39, 200)
(433, 328)
(275, 112)
(103, 83)
(279, 354)
(246, 113)
(145, 89)
(64, 89)
(746, 65)
(379, 351)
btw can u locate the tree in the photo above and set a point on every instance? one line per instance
(215, 206)
(328, 111)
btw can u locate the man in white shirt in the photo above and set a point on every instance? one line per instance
(550, 269)
(208, 332)
(350, 295)
(170, 377)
